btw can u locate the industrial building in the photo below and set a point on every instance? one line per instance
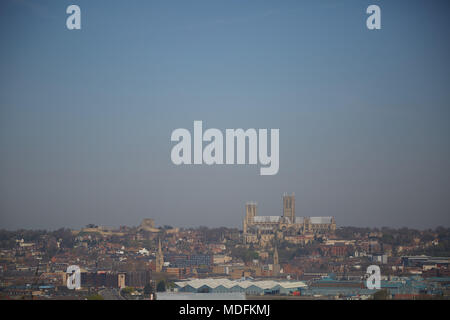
(249, 287)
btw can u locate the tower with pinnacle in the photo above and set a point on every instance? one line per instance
(159, 258)
(276, 264)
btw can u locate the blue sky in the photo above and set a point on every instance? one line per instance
(86, 115)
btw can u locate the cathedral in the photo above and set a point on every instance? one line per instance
(263, 229)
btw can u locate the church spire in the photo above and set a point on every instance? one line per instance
(276, 264)
(275, 256)
(159, 257)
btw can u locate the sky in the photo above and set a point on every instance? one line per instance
(86, 115)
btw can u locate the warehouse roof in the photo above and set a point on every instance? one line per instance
(244, 284)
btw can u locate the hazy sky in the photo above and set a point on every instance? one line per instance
(86, 116)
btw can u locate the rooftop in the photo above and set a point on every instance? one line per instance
(244, 284)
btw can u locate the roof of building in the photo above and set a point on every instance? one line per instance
(244, 284)
(266, 218)
(321, 220)
(200, 296)
(276, 219)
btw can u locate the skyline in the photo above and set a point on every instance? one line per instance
(252, 203)
(86, 115)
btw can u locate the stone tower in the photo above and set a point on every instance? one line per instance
(159, 258)
(250, 210)
(276, 264)
(250, 213)
(121, 280)
(275, 256)
(289, 207)
(333, 224)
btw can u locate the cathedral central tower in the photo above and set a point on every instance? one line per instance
(289, 207)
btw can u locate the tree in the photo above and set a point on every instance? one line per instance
(148, 289)
(127, 290)
(66, 237)
(381, 295)
(245, 254)
(161, 286)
